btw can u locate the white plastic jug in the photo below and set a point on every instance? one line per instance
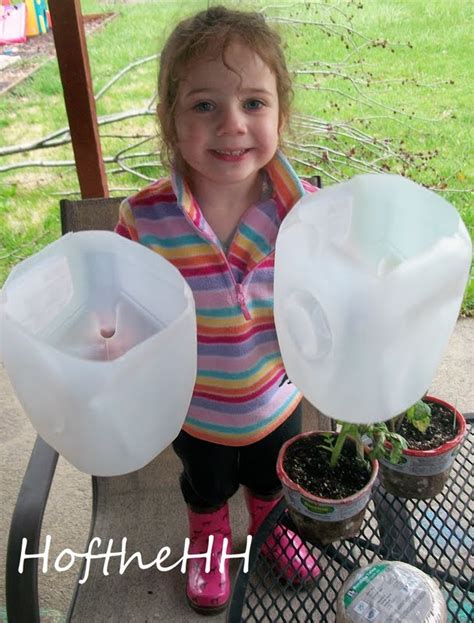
(369, 279)
(98, 337)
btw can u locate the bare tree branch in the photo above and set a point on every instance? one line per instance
(124, 71)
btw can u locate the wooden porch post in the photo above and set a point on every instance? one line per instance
(73, 61)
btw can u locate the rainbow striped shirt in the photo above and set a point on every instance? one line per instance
(239, 396)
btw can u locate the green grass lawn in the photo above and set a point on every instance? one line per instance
(408, 97)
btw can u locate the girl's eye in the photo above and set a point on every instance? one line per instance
(203, 107)
(254, 104)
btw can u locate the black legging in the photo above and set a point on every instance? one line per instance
(212, 472)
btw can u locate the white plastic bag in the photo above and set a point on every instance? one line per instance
(98, 337)
(369, 279)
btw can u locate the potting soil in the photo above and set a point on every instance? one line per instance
(307, 464)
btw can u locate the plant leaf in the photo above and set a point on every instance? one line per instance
(419, 416)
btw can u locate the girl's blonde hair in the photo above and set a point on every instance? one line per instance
(209, 33)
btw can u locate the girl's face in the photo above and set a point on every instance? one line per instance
(227, 122)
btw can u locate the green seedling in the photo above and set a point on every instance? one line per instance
(419, 416)
(373, 436)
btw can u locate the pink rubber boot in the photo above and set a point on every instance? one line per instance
(208, 593)
(283, 549)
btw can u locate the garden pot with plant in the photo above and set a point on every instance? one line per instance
(433, 430)
(327, 478)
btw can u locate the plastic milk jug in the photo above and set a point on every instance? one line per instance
(98, 337)
(369, 280)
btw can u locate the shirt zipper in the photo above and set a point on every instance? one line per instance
(241, 298)
(238, 287)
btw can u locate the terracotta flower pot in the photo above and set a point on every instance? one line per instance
(422, 474)
(322, 520)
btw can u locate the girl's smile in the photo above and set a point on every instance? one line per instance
(230, 155)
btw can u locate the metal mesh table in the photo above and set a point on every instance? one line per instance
(434, 535)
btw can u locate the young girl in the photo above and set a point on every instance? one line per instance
(225, 94)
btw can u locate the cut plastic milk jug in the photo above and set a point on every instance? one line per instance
(369, 280)
(98, 337)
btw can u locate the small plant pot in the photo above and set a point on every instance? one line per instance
(322, 520)
(422, 474)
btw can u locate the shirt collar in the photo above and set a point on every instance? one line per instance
(185, 199)
(287, 186)
(287, 189)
